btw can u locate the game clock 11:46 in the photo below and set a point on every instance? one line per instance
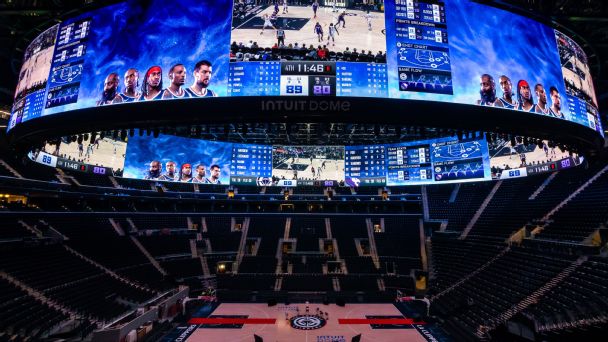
(308, 78)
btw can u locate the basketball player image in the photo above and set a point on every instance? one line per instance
(200, 174)
(267, 23)
(177, 76)
(131, 82)
(170, 175)
(331, 34)
(315, 7)
(556, 103)
(507, 100)
(154, 170)
(285, 7)
(110, 90)
(319, 31)
(342, 20)
(202, 77)
(368, 17)
(524, 97)
(185, 173)
(487, 90)
(152, 87)
(542, 107)
(215, 174)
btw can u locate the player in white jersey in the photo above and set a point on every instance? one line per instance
(331, 33)
(285, 7)
(368, 17)
(267, 23)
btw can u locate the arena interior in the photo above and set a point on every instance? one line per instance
(332, 183)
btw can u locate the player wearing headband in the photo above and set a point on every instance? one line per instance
(202, 77)
(177, 76)
(131, 82)
(110, 90)
(151, 89)
(524, 97)
(185, 173)
(506, 101)
(487, 90)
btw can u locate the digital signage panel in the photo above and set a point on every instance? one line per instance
(451, 51)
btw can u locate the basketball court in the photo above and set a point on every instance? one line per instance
(109, 153)
(233, 322)
(333, 169)
(299, 28)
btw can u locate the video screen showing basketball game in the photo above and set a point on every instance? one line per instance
(522, 157)
(102, 151)
(580, 96)
(307, 165)
(33, 77)
(178, 159)
(318, 48)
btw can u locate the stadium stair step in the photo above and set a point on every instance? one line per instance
(484, 330)
(148, 255)
(574, 194)
(480, 211)
(10, 169)
(542, 186)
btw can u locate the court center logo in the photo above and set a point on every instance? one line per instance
(307, 322)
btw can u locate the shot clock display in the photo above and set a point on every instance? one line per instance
(308, 78)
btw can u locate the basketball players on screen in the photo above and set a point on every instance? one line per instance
(154, 170)
(556, 106)
(524, 97)
(170, 175)
(315, 7)
(152, 86)
(200, 174)
(202, 77)
(185, 173)
(507, 100)
(131, 82)
(110, 90)
(267, 23)
(487, 90)
(177, 76)
(542, 107)
(215, 174)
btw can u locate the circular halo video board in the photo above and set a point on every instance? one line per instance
(140, 51)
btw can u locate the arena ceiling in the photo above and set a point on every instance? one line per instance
(584, 20)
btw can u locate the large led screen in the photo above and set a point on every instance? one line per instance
(170, 158)
(453, 51)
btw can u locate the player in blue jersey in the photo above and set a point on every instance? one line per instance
(215, 174)
(177, 76)
(131, 82)
(556, 106)
(110, 90)
(202, 77)
(487, 90)
(524, 97)
(507, 100)
(154, 170)
(319, 31)
(542, 107)
(152, 86)
(315, 7)
(341, 19)
(170, 175)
